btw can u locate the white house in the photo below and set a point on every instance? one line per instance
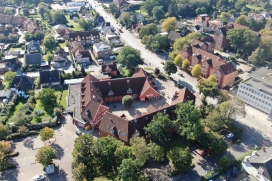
(76, 3)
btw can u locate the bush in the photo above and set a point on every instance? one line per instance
(3, 119)
(31, 100)
(237, 55)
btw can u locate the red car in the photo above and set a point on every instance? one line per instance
(205, 152)
(162, 63)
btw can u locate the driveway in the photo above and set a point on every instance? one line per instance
(28, 147)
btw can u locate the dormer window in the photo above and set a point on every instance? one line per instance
(129, 91)
(110, 93)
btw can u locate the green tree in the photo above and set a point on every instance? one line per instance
(214, 120)
(47, 97)
(38, 35)
(180, 42)
(101, 179)
(2, 37)
(84, 24)
(49, 57)
(173, 55)
(121, 153)
(158, 12)
(159, 43)
(46, 133)
(125, 19)
(8, 78)
(45, 155)
(79, 172)
(114, 10)
(57, 111)
(13, 36)
(5, 147)
(58, 17)
(178, 60)
(242, 20)
(169, 24)
(28, 36)
(156, 152)
(232, 108)
(25, 12)
(23, 131)
(223, 96)
(9, 11)
(209, 88)
(170, 67)
(261, 55)
(185, 64)
(150, 29)
(240, 4)
(225, 162)
(216, 143)
(139, 149)
(3, 161)
(83, 71)
(127, 101)
(197, 70)
(129, 57)
(188, 120)
(180, 159)
(48, 41)
(128, 170)
(159, 129)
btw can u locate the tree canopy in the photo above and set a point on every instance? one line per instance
(232, 108)
(85, 24)
(208, 87)
(178, 60)
(169, 24)
(262, 54)
(129, 57)
(45, 155)
(186, 64)
(180, 159)
(47, 97)
(46, 133)
(197, 70)
(8, 77)
(170, 67)
(150, 29)
(158, 12)
(127, 100)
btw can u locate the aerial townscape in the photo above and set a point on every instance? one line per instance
(135, 90)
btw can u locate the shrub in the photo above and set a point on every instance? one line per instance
(31, 100)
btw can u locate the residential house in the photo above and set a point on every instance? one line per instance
(100, 19)
(49, 78)
(12, 53)
(89, 97)
(31, 26)
(85, 38)
(11, 62)
(5, 94)
(60, 27)
(33, 46)
(59, 60)
(21, 84)
(207, 44)
(173, 35)
(81, 55)
(211, 64)
(114, 40)
(256, 90)
(110, 69)
(11, 19)
(214, 25)
(266, 15)
(203, 21)
(255, 16)
(123, 129)
(136, 29)
(121, 3)
(34, 59)
(7, 32)
(259, 164)
(104, 27)
(102, 50)
(233, 17)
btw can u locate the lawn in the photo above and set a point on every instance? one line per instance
(253, 7)
(62, 99)
(20, 103)
(62, 45)
(39, 107)
(148, 68)
(75, 25)
(144, 13)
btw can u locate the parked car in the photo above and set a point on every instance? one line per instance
(234, 171)
(39, 177)
(227, 176)
(205, 152)
(223, 132)
(231, 137)
(112, 57)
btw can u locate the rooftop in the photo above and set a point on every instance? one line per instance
(259, 85)
(263, 74)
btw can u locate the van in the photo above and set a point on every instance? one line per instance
(234, 171)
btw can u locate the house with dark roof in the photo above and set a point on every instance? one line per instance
(84, 37)
(102, 50)
(259, 164)
(49, 78)
(60, 58)
(206, 43)
(11, 19)
(121, 3)
(110, 69)
(21, 84)
(100, 19)
(173, 35)
(123, 129)
(104, 27)
(34, 59)
(211, 64)
(33, 46)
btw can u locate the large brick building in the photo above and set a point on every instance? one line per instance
(85, 38)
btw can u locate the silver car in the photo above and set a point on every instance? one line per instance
(39, 177)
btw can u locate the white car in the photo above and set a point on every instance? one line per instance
(39, 177)
(112, 57)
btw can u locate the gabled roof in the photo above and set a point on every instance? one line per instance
(6, 32)
(49, 76)
(111, 66)
(231, 25)
(101, 45)
(33, 44)
(59, 58)
(35, 58)
(83, 53)
(84, 34)
(100, 19)
(14, 53)
(183, 95)
(227, 68)
(173, 35)
(22, 82)
(90, 111)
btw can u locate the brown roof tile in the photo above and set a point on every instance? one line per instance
(227, 68)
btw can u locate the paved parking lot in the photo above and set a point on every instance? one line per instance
(28, 147)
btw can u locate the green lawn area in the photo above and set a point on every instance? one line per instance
(148, 68)
(62, 45)
(76, 26)
(39, 107)
(21, 102)
(144, 13)
(62, 101)
(253, 7)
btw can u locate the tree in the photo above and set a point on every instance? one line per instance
(47, 97)
(79, 172)
(188, 120)
(125, 19)
(129, 57)
(114, 10)
(231, 108)
(169, 24)
(159, 43)
(180, 42)
(128, 170)
(139, 149)
(2, 37)
(159, 129)
(180, 159)
(48, 41)
(127, 101)
(38, 35)
(157, 71)
(28, 36)
(216, 143)
(45, 155)
(178, 60)
(225, 162)
(84, 24)
(155, 151)
(150, 29)
(185, 64)
(49, 57)
(173, 10)
(4, 131)
(13, 36)
(214, 120)
(170, 68)
(57, 111)
(3, 161)
(208, 87)
(121, 153)
(83, 71)
(8, 77)
(173, 55)
(46, 133)
(242, 20)
(197, 70)
(223, 96)
(25, 12)
(101, 179)
(5, 147)
(263, 52)
(9, 11)
(58, 17)
(23, 131)
(158, 12)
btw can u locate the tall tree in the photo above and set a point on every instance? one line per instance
(128, 170)
(46, 133)
(45, 155)
(150, 29)
(158, 12)
(178, 60)
(214, 120)
(169, 24)
(159, 43)
(216, 143)
(125, 19)
(47, 97)
(223, 96)
(139, 149)
(232, 108)
(85, 24)
(197, 70)
(114, 10)
(58, 17)
(242, 20)
(159, 129)
(185, 64)
(155, 151)
(127, 101)
(5, 147)
(180, 159)
(8, 77)
(48, 41)
(208, 87)
(261, 55)
(129, 57)
(170, 68)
